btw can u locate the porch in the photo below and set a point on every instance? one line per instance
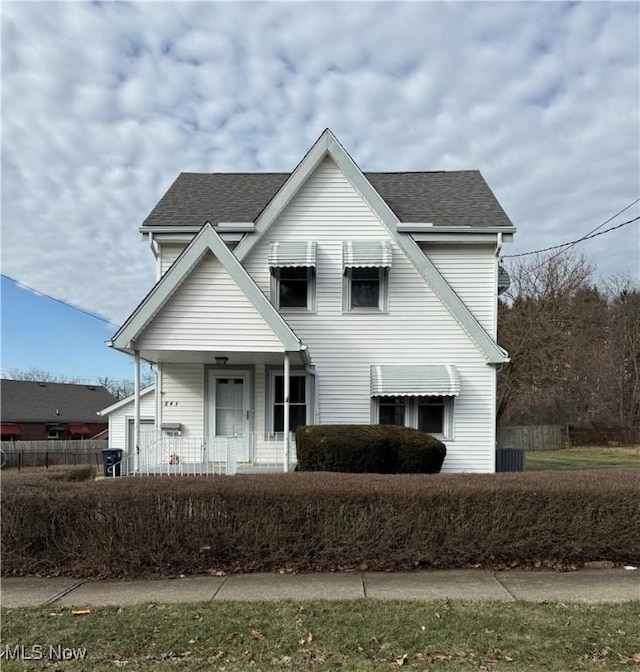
(159, 454)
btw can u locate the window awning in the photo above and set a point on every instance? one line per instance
(366, 254)
(292, 254)
(9, 429)
(78, 430)
(433, 380)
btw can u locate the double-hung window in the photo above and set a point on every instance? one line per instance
(299, 406)
(433, 415)
(366, 273)
(293, 275)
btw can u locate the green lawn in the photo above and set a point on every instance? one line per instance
(355, 635)
(583, 458)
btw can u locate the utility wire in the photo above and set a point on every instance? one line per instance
(573, 242)
(64, 303)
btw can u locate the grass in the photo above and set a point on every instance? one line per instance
(350, 635)
(584, 458)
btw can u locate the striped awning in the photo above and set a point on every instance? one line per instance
(9, 429)
(78, 430)
(366, 254)
(292, 254)
(432, 380)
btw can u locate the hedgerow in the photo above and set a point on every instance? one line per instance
(380, 449)
(317, 521)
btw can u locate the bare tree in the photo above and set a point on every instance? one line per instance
(566, 337)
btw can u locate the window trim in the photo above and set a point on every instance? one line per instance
(411, 413)
(311, 290)
(271, 372)
(383, 296)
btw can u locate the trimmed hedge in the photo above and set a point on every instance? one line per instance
(166, 526)
(379, 449)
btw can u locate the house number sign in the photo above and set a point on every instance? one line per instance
(170, 403)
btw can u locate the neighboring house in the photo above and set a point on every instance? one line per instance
(33, 411)
(121, 416)
(375, 292)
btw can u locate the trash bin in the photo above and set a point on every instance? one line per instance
(111, 462)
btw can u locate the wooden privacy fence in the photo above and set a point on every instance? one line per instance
(533, 437)
(21, 454)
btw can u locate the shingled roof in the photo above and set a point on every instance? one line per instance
(457, 198)
(27, 401)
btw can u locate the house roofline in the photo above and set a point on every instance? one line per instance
(328, 145)
(206, 240)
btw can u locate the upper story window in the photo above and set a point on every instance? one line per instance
(293, 275)
(366, 275)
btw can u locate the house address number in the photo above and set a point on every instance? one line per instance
(170, 403)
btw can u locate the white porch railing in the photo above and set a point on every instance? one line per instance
(160, 454)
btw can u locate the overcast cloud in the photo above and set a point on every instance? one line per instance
(105, 103)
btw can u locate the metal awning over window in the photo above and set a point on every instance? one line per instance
(9, 429)
(434, 380)
(292, 254)
(366, 254)
(78, 430)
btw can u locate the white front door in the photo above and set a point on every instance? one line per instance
(229, 414)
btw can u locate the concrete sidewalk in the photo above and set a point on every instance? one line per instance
(586, 585)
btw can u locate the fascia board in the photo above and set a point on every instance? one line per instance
(164, 289)
(125, 401)
(427, 229)
(169, 229)
(437, 237)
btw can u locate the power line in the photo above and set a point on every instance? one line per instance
(64, 303)
(571, 243)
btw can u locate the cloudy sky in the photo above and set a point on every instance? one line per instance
(103, 104)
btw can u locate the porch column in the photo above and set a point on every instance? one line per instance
(286, 412)
(136, 409)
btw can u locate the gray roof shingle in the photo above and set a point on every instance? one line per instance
(27, 401)
(458, 198)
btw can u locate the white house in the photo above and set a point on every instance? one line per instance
(326, 295)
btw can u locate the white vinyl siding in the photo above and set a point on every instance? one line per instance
(182, 397)
(471, 272)
(209, 312)
(169, 252)
(119, 419)
(416, 329)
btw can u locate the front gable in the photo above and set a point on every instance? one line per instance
(209, 312)
(327, 169)
(206, 299)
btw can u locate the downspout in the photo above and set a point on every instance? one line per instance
(500, 366)
(286, 411)
(311, 370)
(136, 409)
(154, 249)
